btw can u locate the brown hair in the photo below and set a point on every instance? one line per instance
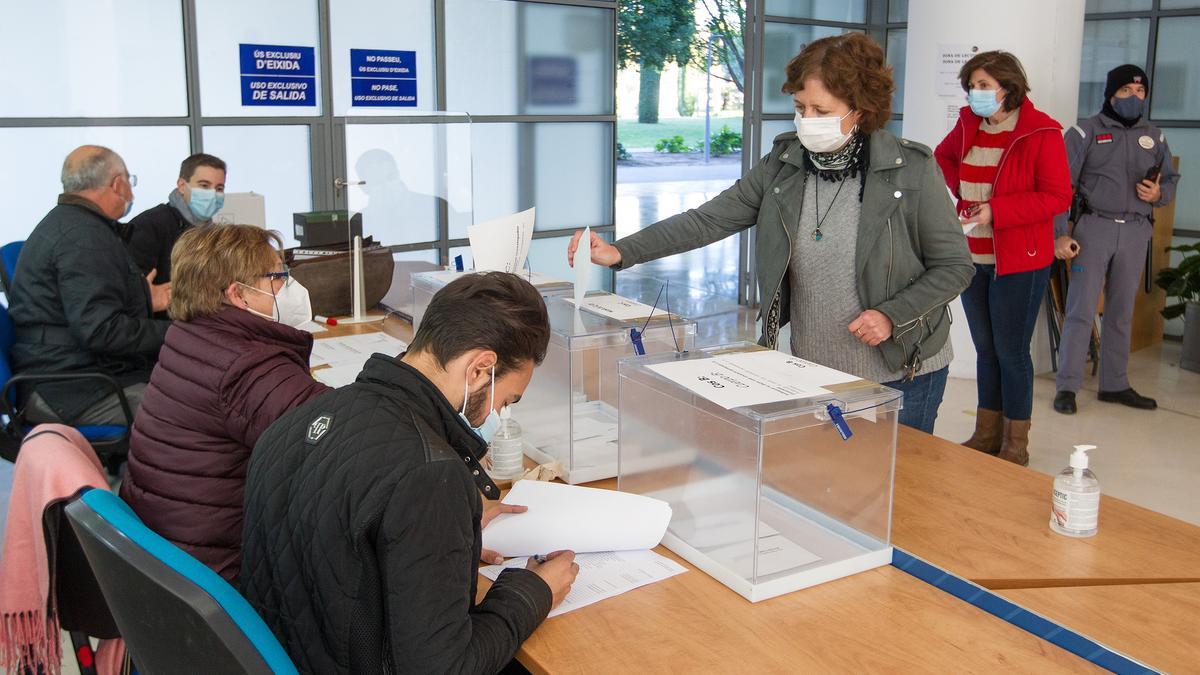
(208, 258)
(853, 68)
(1005, 68)
(188, 168)
(490, 310)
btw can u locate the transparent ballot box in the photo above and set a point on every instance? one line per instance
(426, 284)
(766, 498)
(568, 412)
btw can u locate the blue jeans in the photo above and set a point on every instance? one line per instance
(922, 398)
(1001, 313)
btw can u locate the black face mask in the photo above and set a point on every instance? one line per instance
(1113, 113)
(1130, 107)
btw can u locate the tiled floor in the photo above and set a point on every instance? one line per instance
(1151, 458)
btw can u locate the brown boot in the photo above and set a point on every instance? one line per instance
(1015, 448)
(989, 426)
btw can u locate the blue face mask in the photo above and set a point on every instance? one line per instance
(487, 430)
(983, 102)
(205, 202)
(1130, 107)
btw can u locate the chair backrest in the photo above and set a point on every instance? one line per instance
(175, 614)
(8, 335)
(8, 261)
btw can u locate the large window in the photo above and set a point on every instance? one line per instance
(788, 25)
(157, 80)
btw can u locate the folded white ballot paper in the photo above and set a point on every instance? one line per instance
(752, 378)
(583, 266)
(603, 575)
(502, 245)
(573, 518)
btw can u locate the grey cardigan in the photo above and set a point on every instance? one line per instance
(911, 256)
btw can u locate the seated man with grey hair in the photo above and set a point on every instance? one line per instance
(80, 303)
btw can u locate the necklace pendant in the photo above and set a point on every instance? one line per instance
(816, 235)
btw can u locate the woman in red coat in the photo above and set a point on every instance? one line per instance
(1006, 163)
(230, 366)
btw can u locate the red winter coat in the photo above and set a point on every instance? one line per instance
(1032, 186)
(220, 381)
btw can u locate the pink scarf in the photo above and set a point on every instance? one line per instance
(50, 467)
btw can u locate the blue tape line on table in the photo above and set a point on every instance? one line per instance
(1016, 615)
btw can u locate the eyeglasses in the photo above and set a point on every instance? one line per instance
(132, 180)
(278, 275)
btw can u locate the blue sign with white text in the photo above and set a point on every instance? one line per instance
(383, 78)
(369, 91)
(278, 75)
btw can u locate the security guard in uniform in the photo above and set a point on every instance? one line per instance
(1121, 169)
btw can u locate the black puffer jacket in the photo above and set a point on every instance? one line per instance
(361, 537)
(79, 302)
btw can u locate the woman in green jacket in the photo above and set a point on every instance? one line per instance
(858, 244)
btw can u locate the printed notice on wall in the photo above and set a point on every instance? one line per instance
(951, 59)
(278, 75)
(383, 78)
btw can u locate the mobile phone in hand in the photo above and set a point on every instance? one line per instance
(1152, 173)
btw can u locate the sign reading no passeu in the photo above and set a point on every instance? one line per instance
(383, 78)
(278, 75)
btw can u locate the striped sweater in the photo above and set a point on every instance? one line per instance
(976, 178)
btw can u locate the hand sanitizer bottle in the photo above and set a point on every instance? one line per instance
(507, 449)
(1076, 497)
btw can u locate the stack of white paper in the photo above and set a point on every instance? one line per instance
(574, 518)
(345, 356)
(502, 245)
(603, 575)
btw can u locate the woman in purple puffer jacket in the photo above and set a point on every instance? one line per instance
(229, 367)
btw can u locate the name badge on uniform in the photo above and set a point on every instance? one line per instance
(1146, 142)
(1103, 138)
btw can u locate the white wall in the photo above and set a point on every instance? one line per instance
(1047, 36)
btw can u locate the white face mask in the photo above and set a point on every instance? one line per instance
(291, 305)
(822, 134)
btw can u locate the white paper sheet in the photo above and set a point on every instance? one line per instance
(583, 265)
(501, 245)
(353, 349)
(776, 553)
(338, 375)
(584, 520)
(752, 378)
(312, 327)
(604, 575)
(617, 307)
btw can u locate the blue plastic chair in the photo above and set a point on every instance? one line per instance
(105, 438)
(8, 261)
(175, 614)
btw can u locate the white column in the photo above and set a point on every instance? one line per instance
(1047, 37)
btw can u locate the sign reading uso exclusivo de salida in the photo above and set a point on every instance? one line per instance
(278, 75)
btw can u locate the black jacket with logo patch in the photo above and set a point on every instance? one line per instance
(362, 535)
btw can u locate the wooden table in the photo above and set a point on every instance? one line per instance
(881, 620)
(986, 520)
(1154, 623)
(973, 515)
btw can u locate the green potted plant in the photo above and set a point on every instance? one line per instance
(1183, 282)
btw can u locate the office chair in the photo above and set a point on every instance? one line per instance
(8, 262)
(109, 440)
(175, 614)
